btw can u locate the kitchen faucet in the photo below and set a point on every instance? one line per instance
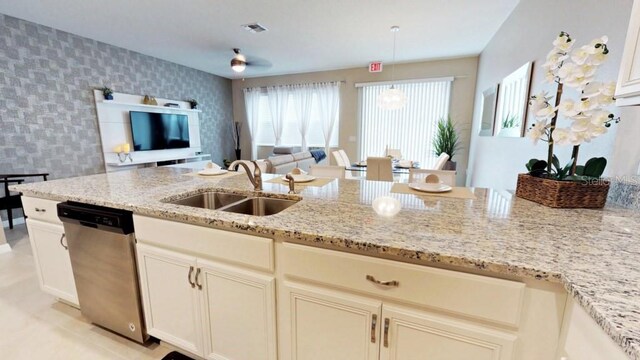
(256, 178)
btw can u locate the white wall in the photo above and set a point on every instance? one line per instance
(525, 36)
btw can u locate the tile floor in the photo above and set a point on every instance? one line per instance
(33, 325)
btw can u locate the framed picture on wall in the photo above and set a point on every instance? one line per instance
(511, 112)
(489, 104)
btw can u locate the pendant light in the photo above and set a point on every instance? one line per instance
(392, 98)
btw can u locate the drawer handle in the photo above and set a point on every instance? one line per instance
(189, 277)
(386, 332)
(62, 243)
(374, 323)
(197, 278)
(41, 210)
(391, 283)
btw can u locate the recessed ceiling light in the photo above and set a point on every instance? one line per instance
(254, 28)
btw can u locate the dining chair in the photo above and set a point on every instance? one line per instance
(379, 168)
(447, 177)
(394, 153)
(338, 158)
(11, 201)
(345, 158)
(328, 171)
(442, 159)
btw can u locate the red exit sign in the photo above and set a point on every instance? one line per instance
(375, 66)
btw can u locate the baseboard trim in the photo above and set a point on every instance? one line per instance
(16, 221)
(5, 248)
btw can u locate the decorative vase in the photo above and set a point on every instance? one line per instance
(108, 97)
(450, 165)
(238, 154)
(562, 194)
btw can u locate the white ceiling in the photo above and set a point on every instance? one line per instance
(303, 35)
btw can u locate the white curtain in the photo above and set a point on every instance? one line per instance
(302, 98)
(329, 99)
(278, 101)
(252, 106)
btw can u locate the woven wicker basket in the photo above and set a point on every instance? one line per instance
(562, 194)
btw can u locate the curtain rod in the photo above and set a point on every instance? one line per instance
(409, 81)
(315, 82)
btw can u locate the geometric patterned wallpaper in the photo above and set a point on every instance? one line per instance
(48, 120)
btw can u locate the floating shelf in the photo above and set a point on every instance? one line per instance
(117, 103)
(150, 161)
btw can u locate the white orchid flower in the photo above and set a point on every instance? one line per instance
(580, 125)
(568, 72)
(550, 77)
(596, 59)
(568, 108)
(592, 89)
(561, 136)
(539, 101)
(563, 43)
(608, 89)
(537, 131)
(599, 118)
(546, 112)
(605, 100)
(588, 104)
(580, 55)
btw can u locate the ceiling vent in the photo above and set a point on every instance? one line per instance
(254, 28)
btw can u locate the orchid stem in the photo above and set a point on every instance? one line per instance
(574, 157)
(552, 127)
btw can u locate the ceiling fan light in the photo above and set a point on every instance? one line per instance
(392, 99)
(238, 65)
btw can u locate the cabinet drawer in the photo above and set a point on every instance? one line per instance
(485, 298)
(226, 246)
(41, 209)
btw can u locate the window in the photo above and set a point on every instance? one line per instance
(290, 132)
(410, 129)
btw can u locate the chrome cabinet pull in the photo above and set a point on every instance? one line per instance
(189, 277)
(374, 323)
(386, 332)
(391, 283)
(197, 278)
(62, 243)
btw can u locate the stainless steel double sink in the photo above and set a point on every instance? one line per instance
(236, 203)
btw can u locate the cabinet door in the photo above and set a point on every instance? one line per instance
(170, 301)
(238, 308)
(319, 324)
(628, 91)
(53, 264)
(415, 335)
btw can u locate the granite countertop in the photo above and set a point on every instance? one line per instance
(594, 254)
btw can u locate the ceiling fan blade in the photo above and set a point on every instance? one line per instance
(258, 62)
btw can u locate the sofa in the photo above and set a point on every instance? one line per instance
(284, 163)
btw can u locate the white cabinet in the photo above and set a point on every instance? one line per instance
(628, 89)
(239, 312)
(212, 310)
(53, 264)
(408, 334)
(171, 306)
(583, 339)
(319, 324)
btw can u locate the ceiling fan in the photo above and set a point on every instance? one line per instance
(239, 62)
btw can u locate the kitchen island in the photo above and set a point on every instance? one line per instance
(591, 253)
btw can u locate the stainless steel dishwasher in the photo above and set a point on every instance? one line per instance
(102, 249)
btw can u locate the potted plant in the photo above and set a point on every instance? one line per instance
(549, 182)
(193, 103)
(447, 141)
(107, 93)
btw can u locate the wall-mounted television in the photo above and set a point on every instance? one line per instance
(155, 131)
